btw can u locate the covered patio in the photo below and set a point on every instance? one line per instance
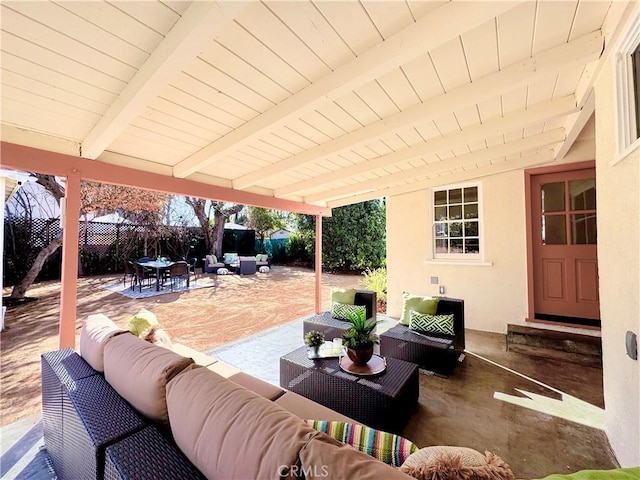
(307, 106)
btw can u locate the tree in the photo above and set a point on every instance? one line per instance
(264, 220)
(94, 198)
(213, 233)
(354, 237)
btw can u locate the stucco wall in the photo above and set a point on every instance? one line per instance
(495, 291)
(618, 188)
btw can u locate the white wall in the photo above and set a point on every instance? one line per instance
(618, 188)
(495, 290)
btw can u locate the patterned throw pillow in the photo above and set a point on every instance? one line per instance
(222, 271)
(387, 447)
(425, 323)
(342, 310)
(263, 269)
(418, 303)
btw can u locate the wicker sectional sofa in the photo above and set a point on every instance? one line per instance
(126, 408)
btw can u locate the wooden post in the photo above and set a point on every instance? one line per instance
(318, 263)
(69, 281)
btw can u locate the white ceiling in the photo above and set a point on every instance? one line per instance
(324, 102)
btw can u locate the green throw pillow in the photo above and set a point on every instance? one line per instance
(425, 323)
(258, 257)
(343, 295)
(214, 259)
(141, 321)
(342, 311)
(386, 447)
(418, 303)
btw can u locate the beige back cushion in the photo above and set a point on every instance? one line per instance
(96, 331)
(139, 372)
(328, 458)
(229, 432)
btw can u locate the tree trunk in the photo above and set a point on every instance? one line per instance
(198, 206)
(220, 216)
(20, 289)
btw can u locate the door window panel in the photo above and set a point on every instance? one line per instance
(583, 229)
(583, 194)
(554, 230)
(553, 197)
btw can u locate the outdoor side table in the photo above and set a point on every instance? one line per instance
(384, 402)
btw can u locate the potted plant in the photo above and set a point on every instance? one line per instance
(359, 337)
(313, 340)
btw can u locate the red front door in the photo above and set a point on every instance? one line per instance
(565, 264)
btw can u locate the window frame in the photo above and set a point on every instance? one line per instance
(457, 257)
(627, 92)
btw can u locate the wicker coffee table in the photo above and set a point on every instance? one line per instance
(384, 402)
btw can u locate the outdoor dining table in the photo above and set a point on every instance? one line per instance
(160, 266)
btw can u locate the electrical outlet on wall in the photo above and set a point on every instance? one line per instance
(441, 290)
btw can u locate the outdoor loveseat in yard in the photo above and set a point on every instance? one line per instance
(130, 409)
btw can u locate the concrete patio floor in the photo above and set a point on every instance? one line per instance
(541, 415)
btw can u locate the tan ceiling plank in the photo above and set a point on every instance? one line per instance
(137, 130)
(52, 40)
(41, 120)
(132, 146)
(377, 99)
(244, 73)
(589, 17)
(221, 82)
(270, 30)
(495, 126)
(153, 14)
(553, 24)
(281, 144)
(446, 123)
(59, 63)
(180, 46)
(307, 131)
(451, 65)
(467, 117)
(154, 143)
(293, 137)
(322, 124)
(309, 24)
(248, 48)
(515, 33)
(422, 75)
(509, 79)
(399, 89)
(490, 108)
(175, 110)
(103, 41)
(338, 116)
(400, 48)
(190, 102)
(494, 169)
(178, 125)
(388, 17)
(357, 108)
(469, 159)
(213, 97)
(187, 137)
(56, 79)
(54, 93)
(567, 81)
(542, 90)
(481, 50)
(116, 22)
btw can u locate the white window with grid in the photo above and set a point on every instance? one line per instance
(457, 222)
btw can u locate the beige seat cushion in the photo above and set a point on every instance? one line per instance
(308, 409)
(198, 357)
(139, 372)
(228, 431)
(224, 369)
(96, 331)
(328, 458)
(262, 388)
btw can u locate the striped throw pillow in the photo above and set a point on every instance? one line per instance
(425, 323)
(342, 310)
(387, 447)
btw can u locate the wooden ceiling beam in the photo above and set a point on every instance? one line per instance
(199, 24)
(467, 160)
(532, 115)
(527, 161)
(580, 51)
(443, 24)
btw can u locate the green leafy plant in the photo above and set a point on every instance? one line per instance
(360, 333)
(376, 280)
(314, 338)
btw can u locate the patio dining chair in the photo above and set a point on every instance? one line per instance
(142, 275)
(179, 272)
(129, 273)
(192, 267)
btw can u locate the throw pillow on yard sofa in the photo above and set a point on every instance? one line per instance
(343, 295)
(418, 303)
(141, 321)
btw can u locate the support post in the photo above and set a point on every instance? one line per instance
(318, 263)
(69, 281)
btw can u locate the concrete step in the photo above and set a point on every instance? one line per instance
(562, 346)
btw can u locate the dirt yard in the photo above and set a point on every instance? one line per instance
(235, 307)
